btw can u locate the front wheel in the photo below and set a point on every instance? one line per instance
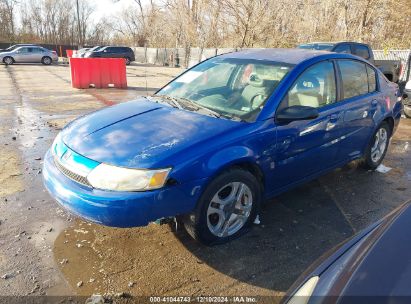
(227, 208)
(8, 60)
(378, 146)
(128, 61)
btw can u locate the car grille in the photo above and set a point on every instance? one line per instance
(71, 175)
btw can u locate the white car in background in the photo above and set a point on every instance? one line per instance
(29, 54)
(79, 53)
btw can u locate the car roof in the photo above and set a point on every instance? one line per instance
(333, 42)
(290, 56)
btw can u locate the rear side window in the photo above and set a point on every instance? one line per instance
(361, 51)
(354, 78)
(372, 79)
(343, 48)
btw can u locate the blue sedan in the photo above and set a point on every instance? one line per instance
(213, 144)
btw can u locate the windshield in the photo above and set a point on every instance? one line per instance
(13, 47)
(317, 46)
(96, 48)
(236, 88)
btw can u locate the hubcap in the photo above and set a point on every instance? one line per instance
(46, 60)
(8, 60)
(380, 143)
(229, 209)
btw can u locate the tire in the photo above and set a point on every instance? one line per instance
(8, 60)
(236, 195)
(128, 60)
(46, 60)
(407, 111)
(378, 146)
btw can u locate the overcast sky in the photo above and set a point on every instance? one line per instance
(109, 7)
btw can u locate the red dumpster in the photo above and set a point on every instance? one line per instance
(98, 73)
(69, 53)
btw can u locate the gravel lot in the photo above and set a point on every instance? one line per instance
(45, 251)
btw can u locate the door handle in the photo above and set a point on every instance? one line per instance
(333, 117)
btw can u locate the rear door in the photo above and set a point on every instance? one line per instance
(37, 54)
(308, 147)
(360, 99)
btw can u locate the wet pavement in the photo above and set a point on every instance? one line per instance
(45, 251)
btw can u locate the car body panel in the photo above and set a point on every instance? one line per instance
(151, 134)
(29, 54)
(375, 263)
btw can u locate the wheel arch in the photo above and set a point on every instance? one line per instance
(8, 56)
(390, 121)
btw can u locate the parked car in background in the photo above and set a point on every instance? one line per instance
(80, 52)
(407, 99)
(390, 68)
(113, 52)
(13, 47)
(374, 266)
(406, 88)
(224, 136)
(96, 48)
(29, 54)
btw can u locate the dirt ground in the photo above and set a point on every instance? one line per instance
(45, 251)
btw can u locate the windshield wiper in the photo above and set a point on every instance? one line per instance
(174, 101)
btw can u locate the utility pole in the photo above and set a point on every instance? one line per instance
(79, 26)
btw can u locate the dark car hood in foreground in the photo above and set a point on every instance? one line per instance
(383, 267)
(140, 133)
(372, 267)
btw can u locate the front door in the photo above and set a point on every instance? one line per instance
(308, 147)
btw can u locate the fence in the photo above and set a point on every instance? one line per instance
(179, 57)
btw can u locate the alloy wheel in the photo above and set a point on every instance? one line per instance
(8, 60)
(380, 144)
(229, 209)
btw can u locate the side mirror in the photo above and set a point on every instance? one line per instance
(293, 113)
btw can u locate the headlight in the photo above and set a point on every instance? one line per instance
(304, 293)
(123, 179)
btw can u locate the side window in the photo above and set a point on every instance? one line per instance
(362, 51)
(343, 48)
(354, 78)
(372, 79)
(23, 50)
(315, 87)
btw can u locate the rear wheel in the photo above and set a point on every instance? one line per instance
(8, 60)
(46, 60)
(128, 61)
(227, 208)
(378, 146)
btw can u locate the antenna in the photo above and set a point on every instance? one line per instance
(145, 76)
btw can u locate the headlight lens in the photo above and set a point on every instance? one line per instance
(304, 293)
(123, 179)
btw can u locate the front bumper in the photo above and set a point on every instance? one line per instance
(119, 209)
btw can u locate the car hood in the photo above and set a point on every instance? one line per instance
(385, 267)
(141, 133)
